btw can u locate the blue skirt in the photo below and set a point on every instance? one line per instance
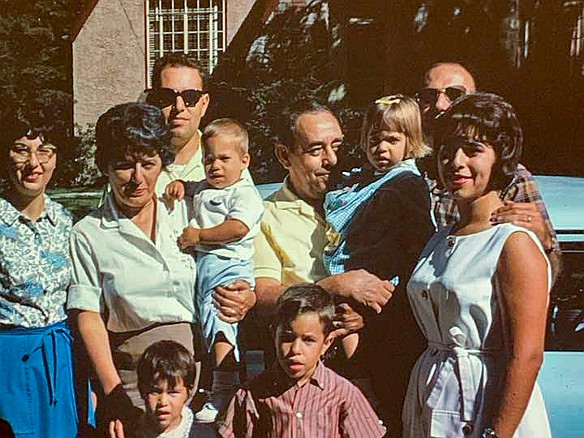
(37, 392)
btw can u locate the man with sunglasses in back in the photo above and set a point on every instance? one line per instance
(178, 90)
(444, 83)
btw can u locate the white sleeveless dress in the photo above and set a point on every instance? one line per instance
(456, 386)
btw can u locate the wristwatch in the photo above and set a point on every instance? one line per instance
(490, 433)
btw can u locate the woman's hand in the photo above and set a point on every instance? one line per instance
(116, 429)
(234, 301)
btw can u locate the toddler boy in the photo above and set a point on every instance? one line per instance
(166, 376)
(226, 214)
(299, 396)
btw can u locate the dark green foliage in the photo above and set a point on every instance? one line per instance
(35, 56)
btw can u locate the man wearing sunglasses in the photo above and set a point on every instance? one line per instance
(178, 90)
(444, 83)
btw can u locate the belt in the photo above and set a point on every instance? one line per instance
(464, 375)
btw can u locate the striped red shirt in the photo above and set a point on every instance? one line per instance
(328, 406)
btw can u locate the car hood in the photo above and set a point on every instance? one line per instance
(564, 199)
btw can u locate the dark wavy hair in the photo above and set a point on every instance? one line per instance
(131, 128)
(22, 120)
(303, 298)
(286, 124)
(19, 119)
(487, 118)
(166, 360)
(175, 60)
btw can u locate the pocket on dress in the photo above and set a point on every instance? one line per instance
(446, 424)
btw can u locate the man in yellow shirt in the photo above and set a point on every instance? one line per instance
(289, 248)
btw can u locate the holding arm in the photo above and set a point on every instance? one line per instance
(230, 230)
(523, 276)
(85, 304)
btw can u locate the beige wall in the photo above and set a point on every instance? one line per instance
(109, 58)
(237, 11)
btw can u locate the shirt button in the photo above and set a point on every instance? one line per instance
(298, 414)
(467, 428)
(425, 294)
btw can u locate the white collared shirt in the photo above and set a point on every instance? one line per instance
(117, 269)
(240, 201)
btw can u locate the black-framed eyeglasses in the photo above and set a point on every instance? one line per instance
(21, 153)
(163, 97)
(429, 96)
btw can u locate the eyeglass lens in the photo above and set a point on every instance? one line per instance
(43, 154)
(429, 96)
(163, 97)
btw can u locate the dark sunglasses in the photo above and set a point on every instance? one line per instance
(163, 97)
(429, 96)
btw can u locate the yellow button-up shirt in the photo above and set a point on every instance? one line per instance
(290, 245)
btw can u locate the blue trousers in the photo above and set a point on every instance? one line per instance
(213, 271)
(37, 392)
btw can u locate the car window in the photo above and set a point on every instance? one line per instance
(566, 312)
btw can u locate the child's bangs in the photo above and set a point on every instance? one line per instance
(172, 377)
(393, 119)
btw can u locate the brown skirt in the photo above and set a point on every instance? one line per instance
(127, 347)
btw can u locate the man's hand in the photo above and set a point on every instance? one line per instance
(189, 237)
(363, 287)
(346, 321)
(116, 429)
(526, 215)
(174, 191)
(234, 301)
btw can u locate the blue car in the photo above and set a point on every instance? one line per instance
(562, 375)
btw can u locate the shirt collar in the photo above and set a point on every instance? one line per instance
(282, 380)
(285, 198)
(9, 214)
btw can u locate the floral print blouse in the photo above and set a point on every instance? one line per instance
(35, 269)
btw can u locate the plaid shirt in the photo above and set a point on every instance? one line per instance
(328, 406)
(522, 188)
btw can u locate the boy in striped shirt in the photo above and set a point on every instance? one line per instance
(299, 397)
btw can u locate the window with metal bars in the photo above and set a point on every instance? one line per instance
(196, 27)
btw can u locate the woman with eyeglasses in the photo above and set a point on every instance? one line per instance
(479, 292)
(37, 396)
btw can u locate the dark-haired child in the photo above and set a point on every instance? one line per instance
(299, 396)
(166, 377)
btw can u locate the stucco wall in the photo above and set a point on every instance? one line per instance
(237, 11)
(109, 58)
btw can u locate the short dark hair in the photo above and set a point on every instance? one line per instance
(178, 59)
(286, 123)
(229, 127)
(303, 298)
(488, 118)
(166, 360)
(132, 128)
(21, 120)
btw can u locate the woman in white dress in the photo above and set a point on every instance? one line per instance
(479, 292)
